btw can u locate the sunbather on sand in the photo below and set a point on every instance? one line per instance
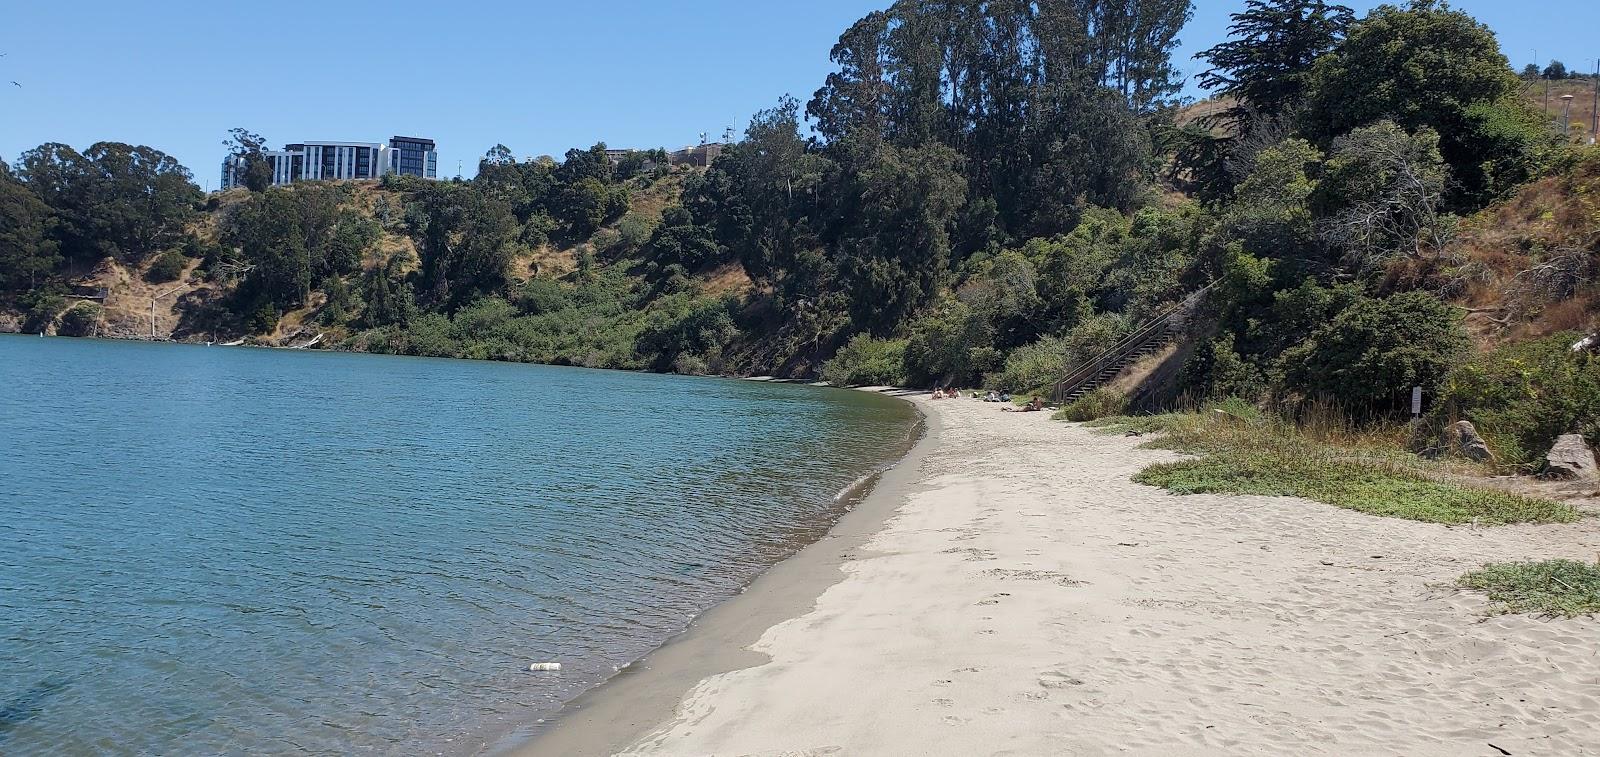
(1034, 405)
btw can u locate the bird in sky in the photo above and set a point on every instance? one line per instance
(16, 83)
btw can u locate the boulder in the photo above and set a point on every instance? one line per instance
(1590, 343)
(1462, 438)
(1571, 460)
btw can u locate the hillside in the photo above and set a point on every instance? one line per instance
(1526, 267)
(184, 306)
(1583, 100)
(1410, 218)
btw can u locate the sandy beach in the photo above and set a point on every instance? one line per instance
(1008, 590)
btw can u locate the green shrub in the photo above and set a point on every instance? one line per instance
(1521, 397)
(41, 308)
(1031, 367)
(633, 232)
(1564, 588)
(1236, 408)
(866, 361)
(1367, 359)
(1100, 403)
(1094, 335)
(541, 296)
(690, 365)
(341, 304)
(1216, 370)
(950, 344)
(81, 319)
(685, 331)
(167, 266)
(263, 318)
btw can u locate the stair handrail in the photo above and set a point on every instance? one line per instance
(1127, 345)
(1117, 352)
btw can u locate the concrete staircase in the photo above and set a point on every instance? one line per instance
(1150, 337)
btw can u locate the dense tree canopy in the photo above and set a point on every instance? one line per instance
(113, 199)
(288, 240)
(1425, 65)
(28, 253)
(1039, 99)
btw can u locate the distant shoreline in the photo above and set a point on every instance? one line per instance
(335, 350)
(616, 712)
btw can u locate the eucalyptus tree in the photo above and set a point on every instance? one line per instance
(250, 149)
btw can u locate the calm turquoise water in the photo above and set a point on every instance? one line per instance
(225, 550)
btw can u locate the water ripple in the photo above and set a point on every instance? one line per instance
(211, 550)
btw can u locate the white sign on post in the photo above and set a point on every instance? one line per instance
(1416, 401)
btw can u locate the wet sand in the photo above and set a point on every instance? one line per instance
(1008, 590)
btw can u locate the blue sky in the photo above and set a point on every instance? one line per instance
(539, 77)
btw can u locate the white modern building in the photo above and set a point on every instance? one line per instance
(334, 161)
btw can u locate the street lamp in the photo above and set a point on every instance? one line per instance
(1566, 116)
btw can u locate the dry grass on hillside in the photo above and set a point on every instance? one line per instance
(728, 278)
(1526, 267)
(129, 298)
(1533, 93)
(556, 261)
(1583, 100)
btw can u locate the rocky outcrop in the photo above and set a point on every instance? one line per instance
(1462, 439)
(1571, 460)
(1590, 343)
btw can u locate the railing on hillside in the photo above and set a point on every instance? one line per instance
(1119, 355)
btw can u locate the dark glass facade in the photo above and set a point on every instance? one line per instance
(413, 156)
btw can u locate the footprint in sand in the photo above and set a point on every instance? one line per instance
(1055, 679)
(945, 702)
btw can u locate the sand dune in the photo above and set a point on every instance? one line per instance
(1027, 598)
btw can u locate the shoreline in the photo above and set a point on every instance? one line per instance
(1009, 589)
(618, 711)
(324, 349)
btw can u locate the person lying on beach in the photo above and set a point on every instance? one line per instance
(992, 396)
(1034, 405)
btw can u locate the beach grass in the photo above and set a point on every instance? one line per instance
(1353, 485)
(1552, 588)
(1365, 468)
(1095, 405)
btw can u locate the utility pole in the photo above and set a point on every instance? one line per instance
(1594, 108)
(1547, 92)
(153, 310)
